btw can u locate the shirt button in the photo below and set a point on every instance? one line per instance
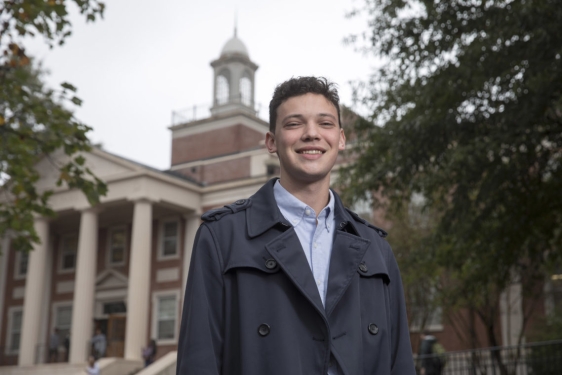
(294, 221)
(307, 212)
(315, 245)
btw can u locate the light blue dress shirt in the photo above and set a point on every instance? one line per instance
(316, 239)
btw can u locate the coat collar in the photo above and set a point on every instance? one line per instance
(264, 212)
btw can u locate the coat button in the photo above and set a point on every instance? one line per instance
(240, 202)
(373, 329)
(270, 264)
(363, 268)
(343, 224)
(263, 329)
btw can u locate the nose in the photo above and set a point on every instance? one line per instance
(310, 132)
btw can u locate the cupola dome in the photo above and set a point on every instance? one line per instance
(234, 46)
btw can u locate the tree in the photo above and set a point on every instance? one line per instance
(34, 119)
(467, 111)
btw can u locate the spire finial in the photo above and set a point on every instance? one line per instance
(235, 22)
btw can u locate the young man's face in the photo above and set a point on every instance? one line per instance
(307, 138)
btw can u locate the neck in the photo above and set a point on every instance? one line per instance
(315, 194)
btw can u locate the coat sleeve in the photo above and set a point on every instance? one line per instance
(402, 357)
(201, 334)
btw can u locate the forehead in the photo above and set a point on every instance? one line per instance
(309, 104)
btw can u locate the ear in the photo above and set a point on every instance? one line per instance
(341, 144)
(270, 143)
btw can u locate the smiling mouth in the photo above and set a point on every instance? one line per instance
(310, 152)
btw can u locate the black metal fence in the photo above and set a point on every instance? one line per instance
(542, 358)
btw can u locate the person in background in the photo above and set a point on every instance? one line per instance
(430, 350)
(149, 353)
(54, 346)
(66, 344)
(99, 344)
(93, 367)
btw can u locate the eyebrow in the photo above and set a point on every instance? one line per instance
(301, 117)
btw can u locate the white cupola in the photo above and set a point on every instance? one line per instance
(234, 75)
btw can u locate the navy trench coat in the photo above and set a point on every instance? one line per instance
(252, 306)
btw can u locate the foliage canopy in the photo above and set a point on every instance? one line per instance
(469, 113)
(34, 119)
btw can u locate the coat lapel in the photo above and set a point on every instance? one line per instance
(347, 252)
(286, 249)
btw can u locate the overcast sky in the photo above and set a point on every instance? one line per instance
(148, 58)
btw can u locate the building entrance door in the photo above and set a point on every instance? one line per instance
(116, 324)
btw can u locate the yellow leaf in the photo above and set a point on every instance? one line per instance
(2, 121)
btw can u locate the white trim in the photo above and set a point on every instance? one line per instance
(154, 324)
(160, 254)
(60, 269)
(111, 229)
(227, 121)
(219, 159)
(9, 332)
(17, 274)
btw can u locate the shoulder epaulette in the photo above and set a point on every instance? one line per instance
(218, 213)
(381, 232)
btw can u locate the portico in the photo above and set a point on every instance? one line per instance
(119, 238)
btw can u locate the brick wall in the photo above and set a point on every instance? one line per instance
(224, 141)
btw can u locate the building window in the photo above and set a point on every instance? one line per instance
(114, 308)
(69, 248)
(63, 320)
(117, 245)
(165, 313)
(15, 317)
(169, 239)
(22, 261)
(222, 89)
(246, 91)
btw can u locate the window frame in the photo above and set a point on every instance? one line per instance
(17, 274)
(110, 249)
(54, 315)
(155, 306)
(9, 331)
(61, 269)
(161, 238)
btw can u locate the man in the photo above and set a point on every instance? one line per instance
(99, 344)
(289, 281)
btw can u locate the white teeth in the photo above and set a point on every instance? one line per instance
(311, 152)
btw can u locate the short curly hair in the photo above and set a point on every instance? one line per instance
(300, 86)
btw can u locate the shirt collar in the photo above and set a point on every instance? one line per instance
(294, 209)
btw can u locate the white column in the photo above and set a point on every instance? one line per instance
(192, 222)
(4, 252)
(33, 300)
(139, 280)
(45, 319)
(84, 287)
